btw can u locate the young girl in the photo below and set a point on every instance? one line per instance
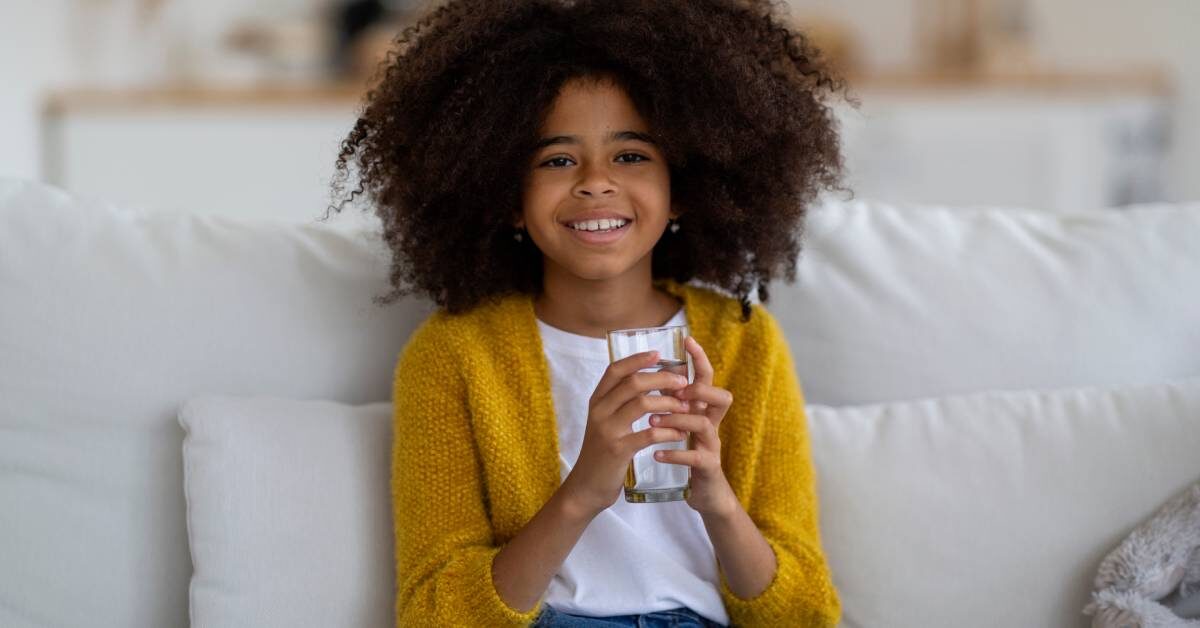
(548, 170)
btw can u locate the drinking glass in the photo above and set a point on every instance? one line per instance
(648, 480)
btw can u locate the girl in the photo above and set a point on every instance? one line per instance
(548, 170)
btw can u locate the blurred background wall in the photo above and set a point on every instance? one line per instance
(225, 106)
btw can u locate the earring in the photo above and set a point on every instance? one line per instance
(518, 237)
(674, 226)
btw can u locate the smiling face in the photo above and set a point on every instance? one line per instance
(596, 160)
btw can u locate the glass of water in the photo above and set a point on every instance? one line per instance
(648, 480)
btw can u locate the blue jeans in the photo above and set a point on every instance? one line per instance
(674, 618)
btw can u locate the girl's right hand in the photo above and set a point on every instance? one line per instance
(609, 441)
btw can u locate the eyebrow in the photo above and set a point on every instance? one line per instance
(615, 136)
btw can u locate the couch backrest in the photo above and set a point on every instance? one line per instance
(904, 302)
(110, 318)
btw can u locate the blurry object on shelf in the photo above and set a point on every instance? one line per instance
(1006, 38)
(947, 35)
(834, 39)
(123, 42)
(351, 19)
(370, 50)
(289, 49)
(364, 32)
(966, 37)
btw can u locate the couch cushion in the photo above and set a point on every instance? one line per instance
(109, 318)
(288, 512)
(902, 302)
(993, 509)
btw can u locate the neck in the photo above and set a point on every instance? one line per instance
(590, 307)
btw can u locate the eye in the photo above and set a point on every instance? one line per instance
(557, 162)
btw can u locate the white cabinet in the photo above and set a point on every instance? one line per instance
(250, 154)
(1047, 150)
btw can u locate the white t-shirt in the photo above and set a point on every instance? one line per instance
(632, 558)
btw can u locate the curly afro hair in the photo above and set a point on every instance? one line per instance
(732, 95)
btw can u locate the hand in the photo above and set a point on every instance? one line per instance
(609, 441)
(711, 493)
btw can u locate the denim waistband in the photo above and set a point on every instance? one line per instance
(551, 617)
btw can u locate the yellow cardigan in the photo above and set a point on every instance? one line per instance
(475, 456)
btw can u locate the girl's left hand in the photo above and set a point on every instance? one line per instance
(711, 493)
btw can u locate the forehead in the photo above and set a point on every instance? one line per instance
(588, 107)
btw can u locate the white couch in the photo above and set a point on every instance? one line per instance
(996, 397)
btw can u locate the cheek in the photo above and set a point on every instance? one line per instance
(536, 199)
(655, 187)
(538, 215)
(542, 189)
(657, 175)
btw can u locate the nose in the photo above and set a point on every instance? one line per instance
(594, 181)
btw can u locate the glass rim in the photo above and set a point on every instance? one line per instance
(636, 330)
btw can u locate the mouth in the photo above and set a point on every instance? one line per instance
(603, 237)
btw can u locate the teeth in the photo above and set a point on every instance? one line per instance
(603, 224)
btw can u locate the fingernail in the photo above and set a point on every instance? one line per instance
(681, 380)
(655, 420)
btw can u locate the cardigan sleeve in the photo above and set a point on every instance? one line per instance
(783, 504)
(444, 542)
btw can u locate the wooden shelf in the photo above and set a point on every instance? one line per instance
(173, 96)
(1147, 82)
(350, 94)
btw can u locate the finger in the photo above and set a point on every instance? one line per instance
(704, 369)
(642, 405)
(639, 384)
(699, 425)
(687, 457)
(712, 396)
(698, 404)
(621, 369)
(642, 439)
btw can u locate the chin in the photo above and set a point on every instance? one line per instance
(601, 271)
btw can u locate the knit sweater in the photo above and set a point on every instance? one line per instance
(475, 457)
